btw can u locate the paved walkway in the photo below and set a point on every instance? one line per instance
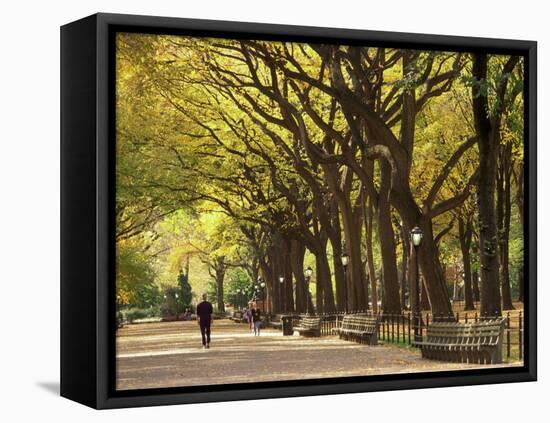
(155, 355)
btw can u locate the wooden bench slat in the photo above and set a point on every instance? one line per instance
(479, 342)
(359, 328)
(309, 326)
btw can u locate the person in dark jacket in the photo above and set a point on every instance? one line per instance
(257, 319)
(204, 318)
(248, 316)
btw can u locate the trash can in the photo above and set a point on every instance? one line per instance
(287, 325)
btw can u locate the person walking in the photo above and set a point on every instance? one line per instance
(257, 319)
(248, 316)
(204, 318)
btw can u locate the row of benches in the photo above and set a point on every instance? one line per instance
(358, 328)
(474, 342)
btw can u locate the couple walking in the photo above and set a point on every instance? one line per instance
(204, 319)
(254, 317)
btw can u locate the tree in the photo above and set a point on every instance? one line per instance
(266, 155)
(134, 274)
(488, 124)
(183, 282)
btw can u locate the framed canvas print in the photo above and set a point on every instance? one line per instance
(255, 211)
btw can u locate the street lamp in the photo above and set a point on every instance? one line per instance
(416, 240)
(260, 291)
(238, 298)
(262, 285)
(282, 292)
(307, 273)
(416, 236)
(345, 263)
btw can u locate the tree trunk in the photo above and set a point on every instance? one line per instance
(404, 265)
(297, 263)
(519, 202)
(353, 245)
(475, 283)
(352, 237)
(335, 237)
(328, 294)
(414, 281)
(488, 149)
(424, 300)
(428, 257)
(370, 256)
(504, 205)
(359, 214)
(287, 274)
(390, 284)
(321, 273)
(465, 238)
(220, 275)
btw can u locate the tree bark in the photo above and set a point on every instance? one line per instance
(390, 283)
(488, 149)
(475, 283)
(297, 263)
(335, 237)
(353, 244)
(428, 257)
(370, 256)
(404, 265)
(287, 283)
(465, 239)
(219, 270)
(504, 205)
(519, 202)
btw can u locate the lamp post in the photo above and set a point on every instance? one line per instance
(307, 273)
(282, 293)
(262, 286)
(246, 294)
(238, 299)
(345, 262)
(462, 287)
(416, 240)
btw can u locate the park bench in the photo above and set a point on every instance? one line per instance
(238, 317)
(477, 342)
(309, 326)
(359, 328)
(276, 322)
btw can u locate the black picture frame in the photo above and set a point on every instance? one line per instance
(87, 198)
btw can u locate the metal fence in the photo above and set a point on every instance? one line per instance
(399, 328)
